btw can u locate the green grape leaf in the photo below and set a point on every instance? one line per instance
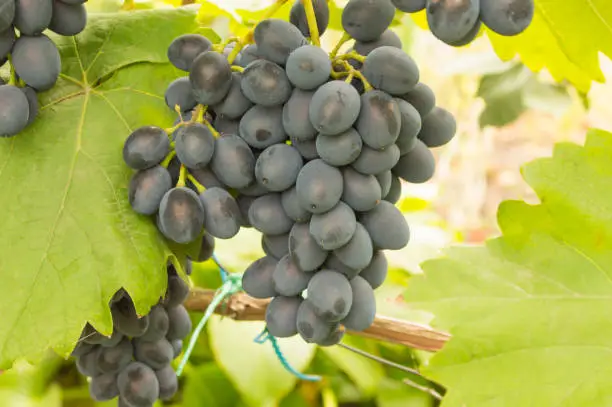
(529, 311)
(69, 237)
(254, 368)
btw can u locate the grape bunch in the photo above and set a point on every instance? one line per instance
(134, 363)
(307, 147)
(457, 22)
(34, 58)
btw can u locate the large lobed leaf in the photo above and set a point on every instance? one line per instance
(530, 311)
(68, 238)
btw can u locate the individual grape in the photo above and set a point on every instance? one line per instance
(224, 125)
(297, 16)
(168, 382)
(357, 253)
(244, 204)
(291, 205)
(154, 354)
(262, 126)
(360, 192)
(177, 347)
(308, 67)
(179, 93)
(266, 215)
(222, 213)
(174, 169)
(387, 227)
(452, 20)
(395, 192)
(379, 120)
(276, 246)
(104, 387)
(333, 339)
(340, 149)
(391, 70)
(278, 166)
(409, 6)
(281, 316)
(194, 145)
(295, 116)
(185, 49)
(372, 162)
(265, 83)
(288, 279)
(126, 319)
(410, 128)
(7, 40)
(388, 38)
(138, 385)
(113, 360)
(439, 127)
(7, 14)
(235, 103)
(180, 323)
(417, 166)
(257, 279)
(366, 20)
(303, 248)
(206, 177)
(37, 61)
(32, 17)
(330, 294)
(249, 54)
(311, 327)
(181, 215)
(333, 229)
(233, 161)
(376, 272)
(14, 110)
(507, 17)
(307, 148)
(87, 364)
(469, 37)
(32, 103)
(319, 186)
(384, 180)
(363, 310)
(146, 147)
(211, 77)
(82, 348)
(422, 98)
(158, 317)
(207, 248)
(276, 39)
(334, 107)
(68, 19)
(111, 341)
(334, 263)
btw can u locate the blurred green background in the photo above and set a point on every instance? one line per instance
(506, 116)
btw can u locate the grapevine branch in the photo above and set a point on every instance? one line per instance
(242, 307)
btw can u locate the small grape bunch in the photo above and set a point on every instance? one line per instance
(34, 58)
(134, 363)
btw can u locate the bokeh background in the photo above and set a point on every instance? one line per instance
(506, 115)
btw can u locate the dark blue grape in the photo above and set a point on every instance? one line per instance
(304, 249)
(319, 186)
(126, 320)
(233, 162)
(384, 180)
(211, 77)
(266, 215)
(311, 327)
(292, 207)
(439, 127)
(334, 107)
(7, 14)
(335, 228)
(422, 98)
(372, 162)
(185, 49)
(37, 61)
(340, 149)
(168, 382)
(262, 126)
(366, 20)
(104, 387)
(180, 323)
(451, 20)
(281, 316)
(158, 319)
(388, 38)
(387, 227)
(410, 128)
(330, 295)
(379, 120)
(276, 246)
(179, 93)
(507, 17)
(363, 309)
(295, 116)
(265, 83)
(278, 166)
(146, 147)
(308, 67)
(14, 110)
(361, 192)
(235, 103)
(395, 192)
(32, 17)
(7, 40)
(276, 39)
(376, 272)
(138, 385)
(68, 19)
(222, 213)
(297, 16)
(257, 279)
(181, 215)
(391, 70)
(155, 354)
(416, 166)
(113, 360)
(409, 6)
(288, 278)
(194, 145)
(357, 253)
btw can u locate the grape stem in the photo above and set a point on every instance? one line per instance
(182, 176)
(343, 40)
(248, 37)
(201, 188)
(13, 79)
(351, 55)
(168, 158)
(312, 22)
(236, 68)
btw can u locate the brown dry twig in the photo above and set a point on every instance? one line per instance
(242, 307)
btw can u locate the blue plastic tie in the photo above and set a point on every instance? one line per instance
(264, 337)
(224, 273)
(232, 283)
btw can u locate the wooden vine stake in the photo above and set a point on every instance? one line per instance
(242, 307)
